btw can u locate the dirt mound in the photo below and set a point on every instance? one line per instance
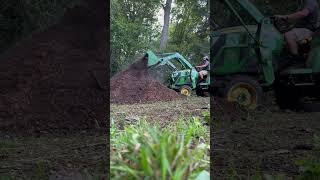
(56, 80)
(135, 85)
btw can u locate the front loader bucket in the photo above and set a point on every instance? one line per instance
(152, 58)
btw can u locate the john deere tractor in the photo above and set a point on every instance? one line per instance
(184, 77)
(249, 59)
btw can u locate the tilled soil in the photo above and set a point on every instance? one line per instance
(224, 110)
(163, 113)
(57, 157)
(135, 85)
(266, 142)
(56, 80)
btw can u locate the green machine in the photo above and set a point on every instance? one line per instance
(250, 59)
(184, 77)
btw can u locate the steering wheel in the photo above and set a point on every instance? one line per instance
(282, 25)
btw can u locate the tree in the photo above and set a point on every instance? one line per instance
(189, 30)
(166, 22)
(133, 30)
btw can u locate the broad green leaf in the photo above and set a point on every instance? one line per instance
(204, 175)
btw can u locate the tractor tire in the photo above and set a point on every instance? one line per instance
(311, 106)
(244, 90)
(185, 90)
(287, 97)
(200, 92)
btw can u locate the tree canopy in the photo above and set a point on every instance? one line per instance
(135, 27)
(135, 24)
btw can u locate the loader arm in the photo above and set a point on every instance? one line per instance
(248, 7)
(177, 57)
(165, 59)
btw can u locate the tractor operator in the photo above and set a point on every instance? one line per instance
(204, 68)
(307, 22)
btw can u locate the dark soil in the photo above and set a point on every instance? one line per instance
(223, 110)
(56, 80)
(135, 85)
(75, 156)
(268, 141)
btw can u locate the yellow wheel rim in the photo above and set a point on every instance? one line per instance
(244, 94)
(185, 91)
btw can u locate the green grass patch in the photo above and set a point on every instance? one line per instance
(146, 151)
(7, 143)
(310, 168)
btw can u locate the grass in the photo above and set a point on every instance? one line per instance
(41, 170)
(310, 168)
(145, 151)
(6, 145)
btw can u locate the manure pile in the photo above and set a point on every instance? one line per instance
(135, 85)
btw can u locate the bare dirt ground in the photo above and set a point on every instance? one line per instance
(78, 156)
(162, 112)
(268, 141)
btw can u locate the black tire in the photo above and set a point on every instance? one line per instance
(199, 92)
(311, 106)
(248, 89)
(202, 93)
(287, 97)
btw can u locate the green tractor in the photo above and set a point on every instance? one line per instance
(249, 59)
(184, 77)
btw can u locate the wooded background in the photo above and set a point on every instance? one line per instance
(135, 24)
(135, 28)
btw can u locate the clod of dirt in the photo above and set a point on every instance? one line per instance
(48, 82)
(135, 85)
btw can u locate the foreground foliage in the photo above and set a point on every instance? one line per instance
(145, 151)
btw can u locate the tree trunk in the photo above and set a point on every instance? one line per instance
(165, 30)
